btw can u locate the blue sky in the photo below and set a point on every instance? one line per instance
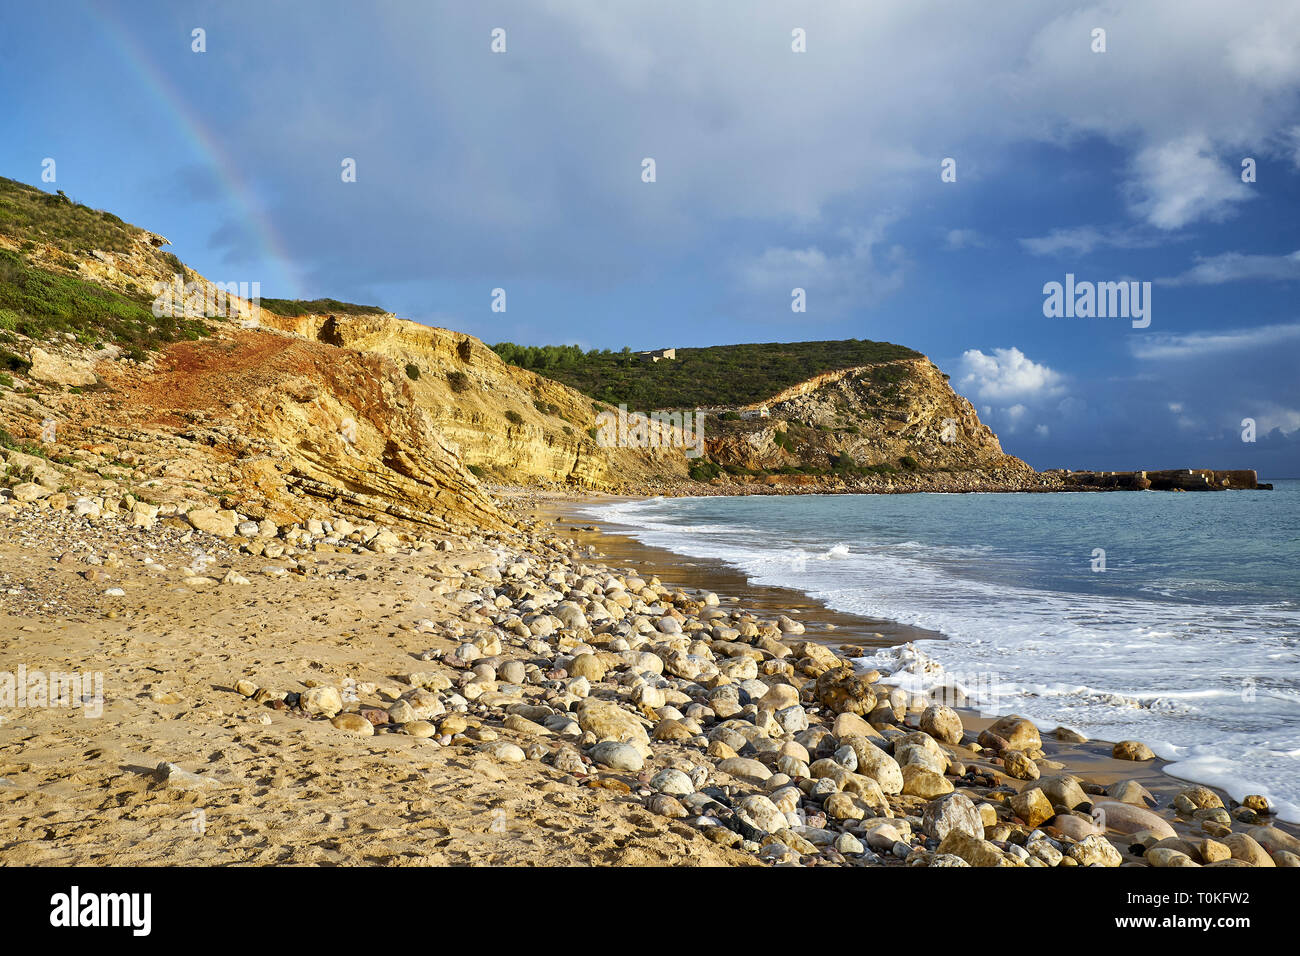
(774, 170)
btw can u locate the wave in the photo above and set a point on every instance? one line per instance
(1210, 684)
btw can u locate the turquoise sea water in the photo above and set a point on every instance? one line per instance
(1187, 637)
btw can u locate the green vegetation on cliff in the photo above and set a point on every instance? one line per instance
(41, 304)
(40, 217)
(296, 307)
(717, 375)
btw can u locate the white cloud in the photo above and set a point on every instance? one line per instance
(1081, 240)
(1202, 344)
(1006, 375)
(1042, 431)
(1236, 266)
(743, 130)
(1274, 416)
(855, 277)
(964, 239)
(1183, 181)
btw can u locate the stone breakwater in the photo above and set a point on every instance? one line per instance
(544, 671)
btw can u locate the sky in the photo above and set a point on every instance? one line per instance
(922, 170)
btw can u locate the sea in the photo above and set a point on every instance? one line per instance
(1166, 617)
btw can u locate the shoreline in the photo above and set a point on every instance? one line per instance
(348, 690)
(690, 572)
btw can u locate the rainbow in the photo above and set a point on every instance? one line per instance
(271, 247)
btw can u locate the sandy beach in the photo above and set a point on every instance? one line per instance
(418, 700)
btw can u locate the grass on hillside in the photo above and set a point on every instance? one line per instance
(698, 377)
(41, 305)
(37, 216)
(296, 307)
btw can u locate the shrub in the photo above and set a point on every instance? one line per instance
(704, 470)
(908, 462)
(514, 418)
(14, 363)
(175, 263)
(297, 307)
(43, 304)
(738, 470)
(476, 471)
(458, 381)
(412, 371)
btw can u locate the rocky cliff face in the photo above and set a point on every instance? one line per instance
(522, 428)
(390, 417)
(890, 426)
(511, 424)
(267, 420)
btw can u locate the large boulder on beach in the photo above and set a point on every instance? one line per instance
(1245, 848)
(942, 723)
(1018, 732)
(570, 615)
(1274, 840)
(851, 725)
(952, 812)
(1130, 791)
(1094, 850)
(1127, 818)
(608, 721)
(617, 755)
(876, 764)
(743, 768)
(759, 811)
(920, 782)
(220, 523)
(1032, 806)
(1132, 750)
(1063, 790)
(1019, 766)
(975, 851)
(779, 697)
(587, 665)
(842, 690)
(325, 701)
(1074, 826)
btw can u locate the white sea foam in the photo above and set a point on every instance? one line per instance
(1208, 684)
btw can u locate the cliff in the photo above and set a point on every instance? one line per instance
(358, 409)
(507, 423)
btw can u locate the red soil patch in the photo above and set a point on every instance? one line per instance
(209, 376)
